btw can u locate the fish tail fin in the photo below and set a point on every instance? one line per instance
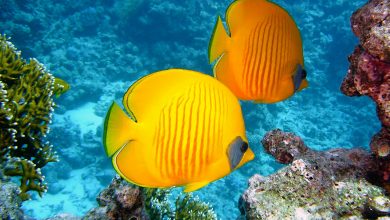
(118, 129)
(218, 41)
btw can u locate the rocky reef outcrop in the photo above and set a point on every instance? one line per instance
(369, 74)
(123, 200)
(331, 184)
(119, 200)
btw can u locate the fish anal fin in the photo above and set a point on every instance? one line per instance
(304, 84)
(195, 186)
(218, 42)
(130, 163)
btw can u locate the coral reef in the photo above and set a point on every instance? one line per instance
(185, 206)
(316, 185)
(100, 48)
(284, 147)
(26, 106)
(122, 200)
(369, 73)
(119, 201)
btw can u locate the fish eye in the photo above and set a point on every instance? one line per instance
(304, 74)
(244, 147)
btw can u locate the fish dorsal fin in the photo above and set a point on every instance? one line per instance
(145, 98)
(243, 11)
(195, 186)
(219, 41)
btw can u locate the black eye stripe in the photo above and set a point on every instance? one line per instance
(304, 74)
(244, 147)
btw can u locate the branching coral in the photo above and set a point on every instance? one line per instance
(26, 106)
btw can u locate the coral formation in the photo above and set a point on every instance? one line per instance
(26, 106)
(369, 73)
(283, 146)
(122, 200)
(185, 206)
(316, 185)
(119, 201)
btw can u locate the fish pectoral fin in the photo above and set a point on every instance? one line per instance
(218, 42)
(195, 186)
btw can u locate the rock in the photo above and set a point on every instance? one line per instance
(316, 185)
(371, 23)
(283, 146)
(120, 200)
(369, 74)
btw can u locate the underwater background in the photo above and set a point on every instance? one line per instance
(101, 47)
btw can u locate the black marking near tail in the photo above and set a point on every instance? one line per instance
(236, 151)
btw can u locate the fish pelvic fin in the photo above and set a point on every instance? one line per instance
(195, 186)
(218, 42)
(118, 128)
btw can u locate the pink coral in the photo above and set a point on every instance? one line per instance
(369, 71)
(369, 74)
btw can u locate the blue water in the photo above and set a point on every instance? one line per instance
(100, 47)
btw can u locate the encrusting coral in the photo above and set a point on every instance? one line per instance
(331, 184)
(369, 74)
(26, 106)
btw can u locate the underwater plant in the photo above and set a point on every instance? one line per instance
(185, 206)
(26, 107)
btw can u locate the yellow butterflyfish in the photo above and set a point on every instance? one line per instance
(261, 59)
(183, 128)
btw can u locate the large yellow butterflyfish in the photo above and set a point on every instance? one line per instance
(262, 58)
(182, 128)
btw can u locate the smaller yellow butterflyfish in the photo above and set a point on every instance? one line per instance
(262, 58)
(182, 128)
